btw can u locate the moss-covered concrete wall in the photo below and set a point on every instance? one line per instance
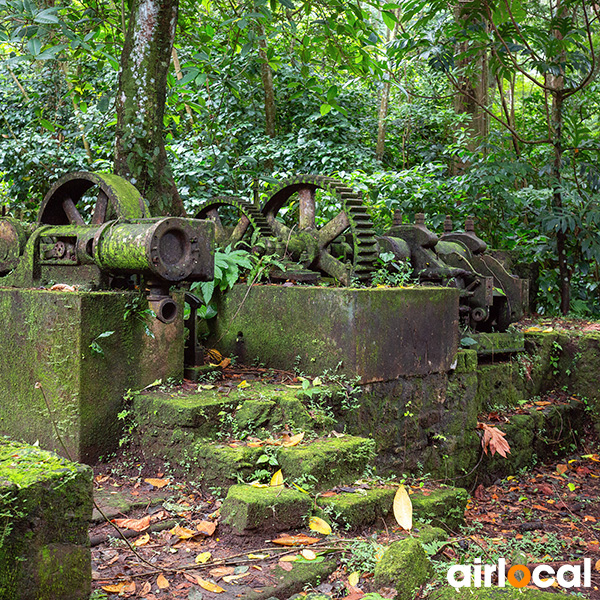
(49, 370)
(45, 508)
(378, 334)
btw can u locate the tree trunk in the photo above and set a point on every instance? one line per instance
(266, 75)
(472, 93)
(140, 154)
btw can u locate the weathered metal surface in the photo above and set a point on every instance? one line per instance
(378, 334)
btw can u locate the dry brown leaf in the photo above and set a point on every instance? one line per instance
(146, 588)
(560, 469)
(295, 540)
(162, 582)
(133, 524)
(317, 524)
(230, 578)
(286, 566)
(308, 554)
(209, 586)
(403, 510)
(129, 588)
(206, 527)
(493, 439)
(294, 440)
(597, 566)
(157, 483)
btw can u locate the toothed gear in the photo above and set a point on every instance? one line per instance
(353, 218)
(248, 211)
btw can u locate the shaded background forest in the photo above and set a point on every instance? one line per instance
(461, 108)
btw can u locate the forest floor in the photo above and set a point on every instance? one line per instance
(176, 547)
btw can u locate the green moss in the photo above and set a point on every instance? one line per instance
(444, 507)
(248, 508)
(254, 414)
(466, 361)
(498, 386)
(330, 462)
(358, 509)
(428, 534)
(403, 566)
(507, 593)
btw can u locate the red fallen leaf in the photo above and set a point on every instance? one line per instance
(540, 507)
(328, 494)
(134, 524)
(286, 566)
(493, 439)
(355, 594)
(582, 471)
(545, 489)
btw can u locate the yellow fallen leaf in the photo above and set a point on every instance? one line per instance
(162, 582)
(317, 524)
(317, 381)
(277, 479)
(183, 533)
(294, 440)
(289, 558)
(243, 384)
(142, 540)
(308, 554)
(209, 586)
(203, 557)
(207, 386)
(258, 556)
(353, 578)
(403, 508)
(157, 483)
(597, 566)
(113, 589)
(257, 484)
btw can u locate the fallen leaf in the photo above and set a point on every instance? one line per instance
(113, 589)
(317, 524)
(560, 469)
(353, 578)
(230, 578)
(403, 508)
(221, 572)
(157, 483)
(209, 586)
(206, 527)
(308, 554)
(162, 582)
(129, 588)
(225, 363)
(258, 556)
(146, 588)
(203, 557)
(286, 566)
(493, 439)
(277, 479)
(133, 524)
(295, 540)
(294, 440)
(243, 384)
(289, 558)
(596, 567)
(62, 287)
(214, 356)
(183, 533)
(142, 540)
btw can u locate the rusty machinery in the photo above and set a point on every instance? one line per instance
(95, 230)
(346, 248)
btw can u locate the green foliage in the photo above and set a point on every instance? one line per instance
(95, 346)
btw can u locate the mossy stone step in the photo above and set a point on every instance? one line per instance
(497, 593)
(239, 411)
(320, 464)
(46, 503)
(249, 508)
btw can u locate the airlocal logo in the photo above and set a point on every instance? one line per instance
(542, 576)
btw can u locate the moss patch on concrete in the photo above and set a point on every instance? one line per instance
(248, 508)
(46, 505)
(443, 508)
(328, 462)
(403, 566)
(495, 593)
(358, 509)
